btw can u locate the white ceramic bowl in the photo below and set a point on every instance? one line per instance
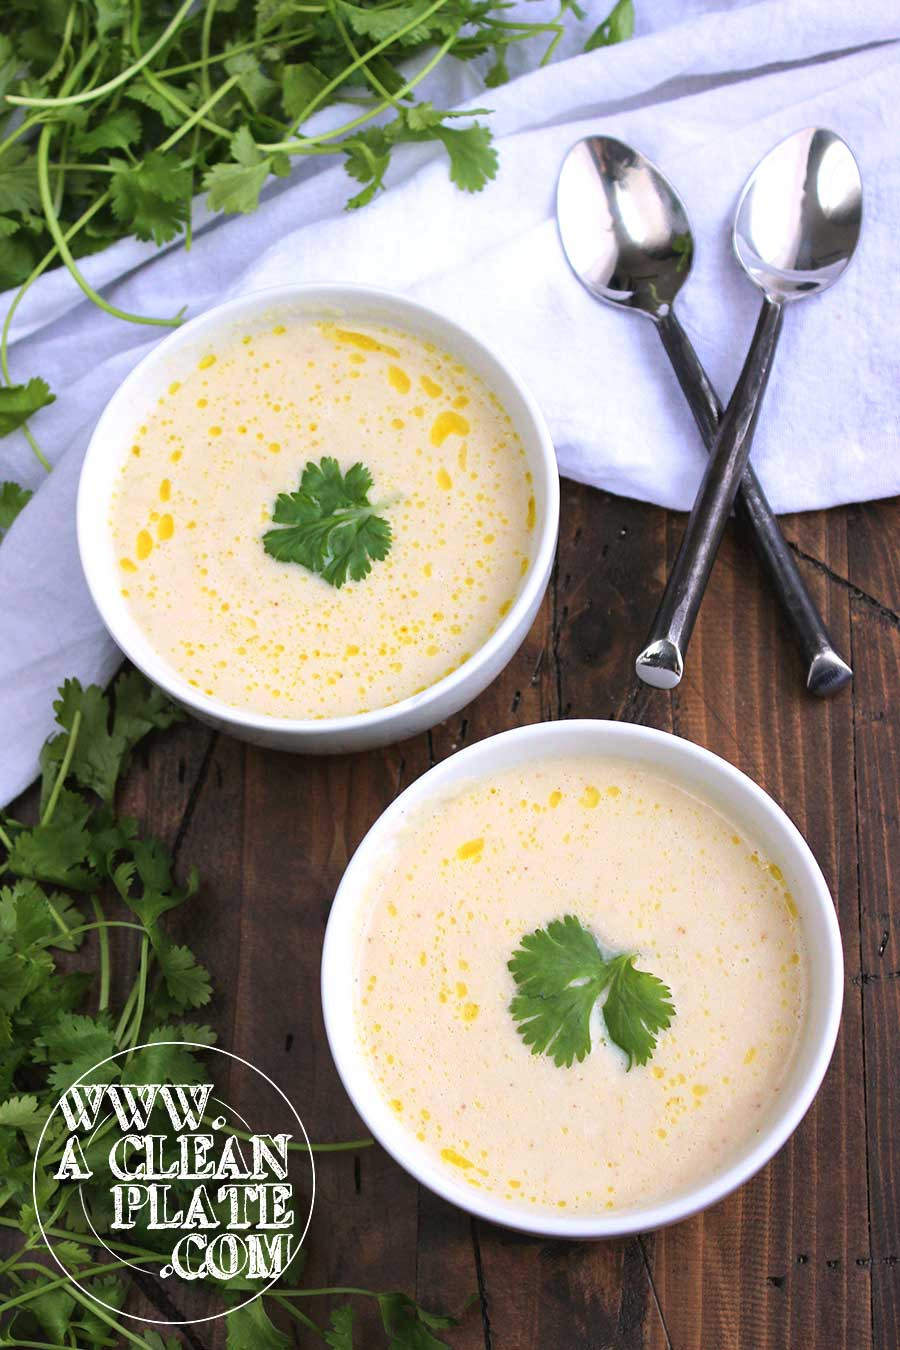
(185, 346)
(709, 778)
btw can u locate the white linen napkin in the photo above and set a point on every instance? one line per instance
(705, 92)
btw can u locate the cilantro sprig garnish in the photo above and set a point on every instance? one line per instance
(329, 525)
(560, 972)
(73, 880)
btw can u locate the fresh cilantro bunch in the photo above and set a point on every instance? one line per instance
(62, 878)
(114, 116)
(560, 972)
(329, 526)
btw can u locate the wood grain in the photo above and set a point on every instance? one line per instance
(805, 1255)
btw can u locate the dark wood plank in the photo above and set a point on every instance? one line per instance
(790, 1259)
(775, 1265)
(876, 659)
(611, 562)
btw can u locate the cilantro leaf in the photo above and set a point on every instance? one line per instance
(368, 156)
(16, 255)
(251, 1328)
(75, 1044)
(155, 1341)
(187, 982)
(152, 198)
(386, 21)
(637, 1006)
(18, 181)
(12, 500)
(473, 159)
(151, 98)
(300, 84)
(166, 1059)
(236, 186)
(560, 972)
(339, 1335)
(109, 1290)
(53, 1309)
(128, 860)
(96, 758)
(104, 742)
(23, 1113)
(141, 707)
(116, 132)
(332, 529)
(28, 918)
(19, 401)
(409, 1326)
(252, 80)
(616, 27)
(56, 851)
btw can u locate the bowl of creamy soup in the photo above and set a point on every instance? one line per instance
(582, 979)
(321, 517)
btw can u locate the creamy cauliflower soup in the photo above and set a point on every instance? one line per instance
(236, 429)
(639, 866)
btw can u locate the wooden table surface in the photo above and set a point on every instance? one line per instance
(805, 1255)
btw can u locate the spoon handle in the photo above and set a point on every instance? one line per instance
(826, 671)
(661, 663)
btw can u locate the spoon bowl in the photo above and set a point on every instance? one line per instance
(799, 216)
(623, 226)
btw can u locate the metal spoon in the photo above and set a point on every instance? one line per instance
(626, 235)
(796, 228)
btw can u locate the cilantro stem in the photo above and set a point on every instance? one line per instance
(122, 78)
(42, 159)
(135, 1031)
(37, 1345)
(24, 126)
(64, 46)
(200, 114)
(205, 34)
(346, 1146)
(42, 266)
(295, 1313)
(368, 74)
(34, 1290)
(88, 1240)
(312, 145)
(324, 1293)
(299, 35)
(123, 1021)
(97, 1311)
(63, 768)
(74, 167)
(60, 923)
(5, 840)
(89, 928)
(183, 108)
(103, 942)
(342, 77)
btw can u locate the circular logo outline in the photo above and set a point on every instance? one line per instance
(161, 1321)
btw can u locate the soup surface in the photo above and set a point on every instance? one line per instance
(198, 485)
(647, 869)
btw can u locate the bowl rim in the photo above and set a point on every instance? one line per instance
(100, 462)
(780, 1123)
